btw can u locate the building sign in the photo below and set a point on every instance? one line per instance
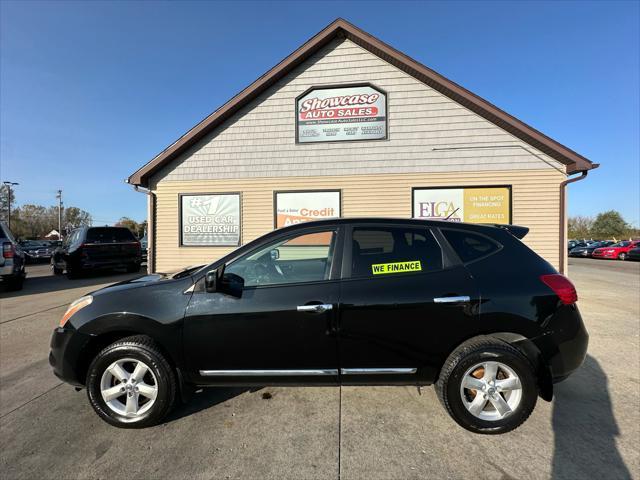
(298, 207)
(341, 114)
(210, 220)
(469, 204)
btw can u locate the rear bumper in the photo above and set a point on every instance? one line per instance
(66, 347)
(564, 345)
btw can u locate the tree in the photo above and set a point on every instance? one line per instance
(75, 217)
(610, 225)
(580, 227)
(135, 227)
(5, 190)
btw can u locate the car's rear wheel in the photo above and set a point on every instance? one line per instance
(487, 386)
(130, 383)
(622, 256)
(56, 270)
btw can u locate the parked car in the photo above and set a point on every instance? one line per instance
(144, 247)
(12, 261)
(93, 248)
(634, 254)
(469, 308)
(616, 251)
(37, 250)
(587, 250)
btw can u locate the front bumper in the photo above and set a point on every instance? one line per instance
(66, 347)
(564, 345)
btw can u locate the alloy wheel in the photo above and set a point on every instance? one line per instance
(491, 390)
(129, 387)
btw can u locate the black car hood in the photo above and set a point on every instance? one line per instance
(151, 279)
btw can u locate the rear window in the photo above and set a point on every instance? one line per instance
(392, 251)
(109, 235)
(470, 246)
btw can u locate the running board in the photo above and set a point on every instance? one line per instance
(307, 372)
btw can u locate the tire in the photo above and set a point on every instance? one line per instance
(133, 268)
(73, 272)
(126, 353)
(622, 256)
(56, 270)
(475, 358)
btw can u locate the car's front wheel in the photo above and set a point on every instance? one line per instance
(622, 256)
(130, 384)
(488, 386)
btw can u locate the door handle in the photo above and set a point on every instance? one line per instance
(319, 308)
(457, 299)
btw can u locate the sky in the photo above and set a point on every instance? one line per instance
(90, 91)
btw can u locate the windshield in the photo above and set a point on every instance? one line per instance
(621, 244)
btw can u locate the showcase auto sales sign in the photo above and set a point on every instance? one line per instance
(341, 114)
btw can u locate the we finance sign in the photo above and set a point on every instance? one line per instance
(335, 114)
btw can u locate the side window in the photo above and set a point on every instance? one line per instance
(470, 246)
(304, 258)
(377, 252)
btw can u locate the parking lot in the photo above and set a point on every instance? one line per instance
(591, 430)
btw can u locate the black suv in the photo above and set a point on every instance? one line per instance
(93, 248)
(346, 301)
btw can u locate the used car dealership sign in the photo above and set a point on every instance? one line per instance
(341, 114)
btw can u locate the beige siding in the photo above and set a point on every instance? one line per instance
(428, 132)
(535, 204)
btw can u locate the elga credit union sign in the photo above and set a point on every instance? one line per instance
(210, 219)
(298, 207)
(470, 204)
(341, 114)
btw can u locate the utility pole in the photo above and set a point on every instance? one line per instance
(10, 186)
(59, 197)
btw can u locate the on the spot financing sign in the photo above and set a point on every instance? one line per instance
(342, 114)
(470, 204)
(298, 207)
(210, 220)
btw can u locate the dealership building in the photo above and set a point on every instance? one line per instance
(347, 126)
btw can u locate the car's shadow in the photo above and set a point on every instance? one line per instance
(585, 428)
(207, 398)
(54, 283)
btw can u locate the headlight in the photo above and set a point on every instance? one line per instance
(76, 306)
(610, 251)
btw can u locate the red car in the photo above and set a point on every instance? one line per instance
(617, 250)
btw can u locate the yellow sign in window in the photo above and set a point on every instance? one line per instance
(397, 267)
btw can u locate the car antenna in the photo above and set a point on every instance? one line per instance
(449, 216)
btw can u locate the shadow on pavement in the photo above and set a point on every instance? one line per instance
(54, 283)
(207, 398)
(585, 428)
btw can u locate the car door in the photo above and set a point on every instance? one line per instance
(405, 301)
(282, 327)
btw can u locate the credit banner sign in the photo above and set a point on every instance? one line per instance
(468, 204)
(210, 220)
(298, 207)
(341, 114)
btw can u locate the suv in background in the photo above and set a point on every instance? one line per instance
(12, 260)
(92, 248)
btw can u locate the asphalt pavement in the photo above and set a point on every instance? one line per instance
(590, 430)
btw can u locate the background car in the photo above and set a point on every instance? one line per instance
(93, 248)
(12, 260)
(587, 250)
(37, 250)
(634, 254)
(616, 251)
(144, 247)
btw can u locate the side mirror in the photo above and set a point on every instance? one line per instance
(227, 283)
(275, 254)
(212, 280)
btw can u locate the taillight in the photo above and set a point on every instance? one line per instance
(562, 287)
(7, 250)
